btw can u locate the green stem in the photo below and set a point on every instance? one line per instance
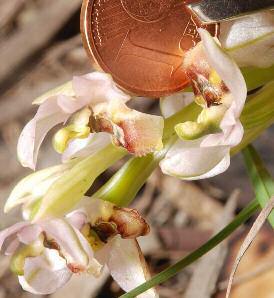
(134, 173)
(117, 189)
(245, 214)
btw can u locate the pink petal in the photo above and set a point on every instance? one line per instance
(45, 274)
(12, 247)
(77, 219)
(68, 240)
(127, 265)
(29, 233)
(11, 231)
(69, 104)
(97, 87)
(48, 115)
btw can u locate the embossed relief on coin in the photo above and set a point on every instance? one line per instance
(147, 10)
(141, 43)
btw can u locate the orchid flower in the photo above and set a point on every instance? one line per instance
(91, 104)
(45, 254)
(203, 147)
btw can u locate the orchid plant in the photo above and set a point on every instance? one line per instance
(63, 232)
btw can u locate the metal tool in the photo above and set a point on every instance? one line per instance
(214, 11)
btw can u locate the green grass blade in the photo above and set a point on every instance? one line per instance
(262, 181)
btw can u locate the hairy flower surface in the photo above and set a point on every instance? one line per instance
(219, 87)
(92, 104)
(45, 254)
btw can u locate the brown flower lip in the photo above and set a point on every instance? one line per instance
(130, 224)
(126, 222)
(142, 46)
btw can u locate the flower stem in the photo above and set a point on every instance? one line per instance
(245, 214)
(125, 184)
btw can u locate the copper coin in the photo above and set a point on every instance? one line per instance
(141, 43)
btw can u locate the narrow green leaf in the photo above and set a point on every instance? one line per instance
(245, 214)
(261, 179)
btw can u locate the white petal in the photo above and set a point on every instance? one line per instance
(74, 245)
(65, 89)
(230, 137)
(11, 231)
(227, 70)
(127, 265)
(94, 266)
(188, 161)
(44, 274)
(77, 219)
(87, 146)
(260, 53)
(48, 115)
(29, 234)
(33, 186)
(69, 104)
(172, 104)
(250, 39)
(97, 87)
(68, 240)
